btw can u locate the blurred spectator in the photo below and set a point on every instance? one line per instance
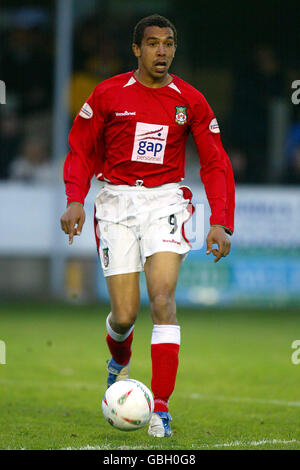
(86, 41)
(293, 152)
(27, 72)
(33, 164)
(10, 137)
(239, 164)
(82, 84)
(254, 88)
(27, 69)
(95, 60)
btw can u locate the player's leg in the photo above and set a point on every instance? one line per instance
(120, 259)
(162, 270)
(124, 297)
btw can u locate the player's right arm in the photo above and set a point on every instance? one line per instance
(83, 160)
(216, 170)
(217, 176)
(72, 220)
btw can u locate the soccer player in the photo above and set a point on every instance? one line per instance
(131, 133)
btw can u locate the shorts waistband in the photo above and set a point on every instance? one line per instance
(126, 187)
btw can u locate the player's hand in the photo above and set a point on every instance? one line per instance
(72, 221)
(217, 235)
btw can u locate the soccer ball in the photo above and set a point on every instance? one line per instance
(128, 405)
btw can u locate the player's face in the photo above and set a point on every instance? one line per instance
(156, 52)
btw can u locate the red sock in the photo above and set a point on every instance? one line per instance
(164, 371)
(120, 350)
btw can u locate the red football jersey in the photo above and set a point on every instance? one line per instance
(128, 133)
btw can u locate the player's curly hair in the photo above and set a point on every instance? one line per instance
(153, 20)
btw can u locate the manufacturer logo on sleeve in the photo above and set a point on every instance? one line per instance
(149, 143)
(214, 126)
(180, 114)
(86, 111)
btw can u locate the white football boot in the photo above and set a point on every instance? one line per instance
(159, 425)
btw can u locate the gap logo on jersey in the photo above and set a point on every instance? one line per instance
(149, 143)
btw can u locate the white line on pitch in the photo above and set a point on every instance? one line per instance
(106, 448)
(195, 396)
(264, 401)
(248, 443)
(204, 446)
(55, 384)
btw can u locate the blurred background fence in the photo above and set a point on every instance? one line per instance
(243, 57)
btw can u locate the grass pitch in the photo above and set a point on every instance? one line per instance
(237, 387)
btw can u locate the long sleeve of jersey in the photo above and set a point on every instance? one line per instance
(216, 170)
(85, 157)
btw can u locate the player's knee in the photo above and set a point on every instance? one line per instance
(163, 308)
(122, 321)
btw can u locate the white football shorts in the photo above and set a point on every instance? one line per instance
(134, 222)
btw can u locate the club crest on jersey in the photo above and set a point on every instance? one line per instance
(105, 257)
(180, 114)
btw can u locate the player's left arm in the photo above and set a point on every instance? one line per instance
(85, 155)
(217, 235)
(217, 176)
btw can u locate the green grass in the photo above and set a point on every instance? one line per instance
(236, 388)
